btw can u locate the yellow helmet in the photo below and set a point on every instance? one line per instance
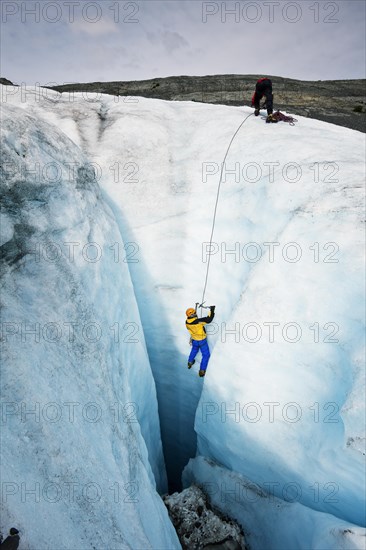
(190, 311)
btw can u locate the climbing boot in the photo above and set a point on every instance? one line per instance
(190, 364)
(202, 373)
(256, 112)
(271, 118)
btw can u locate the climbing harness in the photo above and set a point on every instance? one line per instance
(216, 204)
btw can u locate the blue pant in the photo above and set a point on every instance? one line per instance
(203, 346)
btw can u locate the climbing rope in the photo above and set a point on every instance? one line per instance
(284, 118)
(216, 204)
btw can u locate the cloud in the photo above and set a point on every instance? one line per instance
(98, 28)
(173, 40)
(170, 40)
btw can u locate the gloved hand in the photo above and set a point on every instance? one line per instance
(212, 308)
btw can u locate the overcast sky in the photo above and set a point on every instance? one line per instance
(81, 41)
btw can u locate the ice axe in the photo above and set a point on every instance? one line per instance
(202, 306)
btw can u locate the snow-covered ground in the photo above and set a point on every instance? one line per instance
(283, 399)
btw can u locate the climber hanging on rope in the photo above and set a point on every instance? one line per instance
(196, 328)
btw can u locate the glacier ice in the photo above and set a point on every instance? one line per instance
(282, 404)
(81, 451)
(268, 521)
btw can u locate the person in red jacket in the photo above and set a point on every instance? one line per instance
(263, 88)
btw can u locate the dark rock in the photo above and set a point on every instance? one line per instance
(6, 82)
(227, 544)
(200, 527)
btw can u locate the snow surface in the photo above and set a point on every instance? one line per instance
(297, 430)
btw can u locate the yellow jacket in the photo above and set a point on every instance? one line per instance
(196, 327)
